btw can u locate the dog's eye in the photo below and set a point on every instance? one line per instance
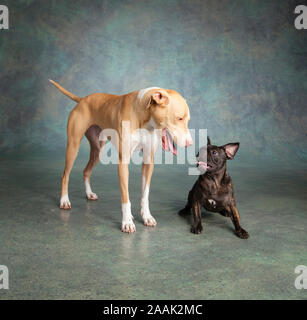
(214, 152)
(180, 119)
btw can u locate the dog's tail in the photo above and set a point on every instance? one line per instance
(67, 93)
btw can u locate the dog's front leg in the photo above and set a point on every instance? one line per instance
(235, 218)
(127, 220)
(147, 170)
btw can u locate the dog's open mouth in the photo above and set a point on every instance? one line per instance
(203, 165)
(168, 143)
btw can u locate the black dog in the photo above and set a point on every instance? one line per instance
(213, 190)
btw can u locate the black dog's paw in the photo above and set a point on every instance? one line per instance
(197, 229)
(242, 234)
(184, 212)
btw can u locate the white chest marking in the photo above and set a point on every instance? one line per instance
(143, 138)
(212, 202)
(144, 91)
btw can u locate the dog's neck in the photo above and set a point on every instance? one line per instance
(218, 176)
(142, 113)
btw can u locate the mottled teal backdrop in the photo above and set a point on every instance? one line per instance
(240, 64)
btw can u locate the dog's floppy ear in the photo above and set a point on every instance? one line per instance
(231, 149)
(208, 141)
(159, 98)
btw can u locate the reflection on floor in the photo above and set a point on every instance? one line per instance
(82, 254)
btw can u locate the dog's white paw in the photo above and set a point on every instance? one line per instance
(149, 221)
(127, 221)
(128, 226)
(91, 196)
(65, 203)
(88, 191)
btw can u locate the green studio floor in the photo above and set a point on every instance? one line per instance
(82, 254)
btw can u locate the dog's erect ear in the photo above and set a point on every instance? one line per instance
(208, 141)
(231, 149)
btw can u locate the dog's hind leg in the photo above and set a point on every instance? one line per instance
(187, 209)
(75, 130)
(92, 134)
(197, 226)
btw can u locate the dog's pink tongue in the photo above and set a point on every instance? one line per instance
(167, 142)
(172, 147)
(203, 164)
(164, 140)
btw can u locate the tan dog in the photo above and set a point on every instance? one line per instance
(151, 108)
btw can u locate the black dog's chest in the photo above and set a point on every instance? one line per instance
(212, 204)
(216, 198)
(216, 202)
